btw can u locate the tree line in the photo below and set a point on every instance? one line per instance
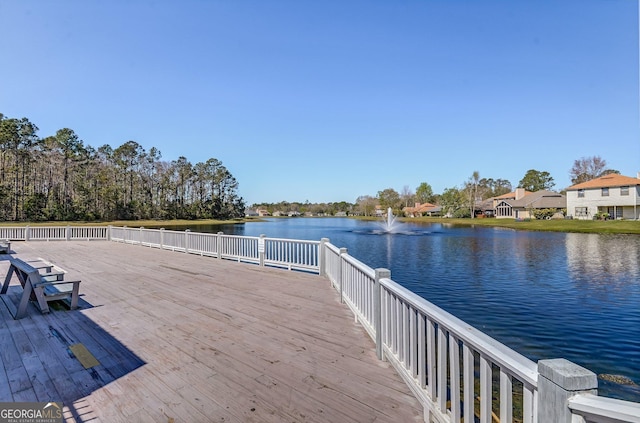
(59, 178)
(461, 201)
(458, 201)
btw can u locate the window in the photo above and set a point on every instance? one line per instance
(580, 193)
(624, 190)
(581, 211)
(605, 192)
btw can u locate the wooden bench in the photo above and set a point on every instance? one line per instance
(48, 270)
(42, 282)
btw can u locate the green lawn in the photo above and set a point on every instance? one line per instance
(583, 226)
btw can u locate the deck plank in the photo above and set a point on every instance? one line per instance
(199, 339)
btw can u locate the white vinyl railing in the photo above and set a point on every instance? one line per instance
(458, 373)
(54, 233)
(454, 367)
(274, 252)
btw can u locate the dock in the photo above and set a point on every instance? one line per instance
(174, 337)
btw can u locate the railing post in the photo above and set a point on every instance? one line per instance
(109, 233)
(322, 257)
(162, 238)
(27, 233)
(186, 240)
(377, 308)
(67, 233)
(140, 234)
(219, 244)
(261, 248)
(558, 380)
(343, 251)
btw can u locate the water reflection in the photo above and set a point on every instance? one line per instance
(615, 259)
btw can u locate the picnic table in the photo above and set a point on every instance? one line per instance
(41, 282)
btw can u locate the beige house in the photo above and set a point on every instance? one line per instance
(613, 194)
(424, 209)
(522, 204)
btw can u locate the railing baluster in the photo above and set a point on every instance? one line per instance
(431, 358)
(441, 378)
(413, 345)
(485, 390)
(422, 347)
(528, 410)
(454, 378)
(468, 381)
(506, 397)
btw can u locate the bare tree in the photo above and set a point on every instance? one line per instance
(588, 168)
(407, 195)
(472, 190)
(366, 204)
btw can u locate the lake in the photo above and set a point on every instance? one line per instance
(543, 294)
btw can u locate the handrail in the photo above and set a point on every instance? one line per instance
(595, 409)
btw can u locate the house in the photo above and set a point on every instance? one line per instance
(250, 213)
(522, 204)
(418, 210)
(263, 212)
(503, 201)
(613, 194)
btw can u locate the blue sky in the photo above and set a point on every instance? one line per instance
(325, 101)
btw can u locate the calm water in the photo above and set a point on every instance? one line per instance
(546, 295)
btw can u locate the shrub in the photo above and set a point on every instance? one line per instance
(544, 213)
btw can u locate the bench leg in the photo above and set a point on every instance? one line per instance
(42, 301)
(24, 302)
(7, 280)
(74, 296)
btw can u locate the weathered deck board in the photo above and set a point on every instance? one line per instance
(195, 339)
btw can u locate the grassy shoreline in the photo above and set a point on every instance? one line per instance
(576, 226)
(571, 225)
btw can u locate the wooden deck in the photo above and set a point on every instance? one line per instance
(183, 338)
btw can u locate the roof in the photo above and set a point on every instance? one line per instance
(421, 208)
(542, 199)
(509, 195)
(610, 180)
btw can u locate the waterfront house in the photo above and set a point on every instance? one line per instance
(523, 203)
(490, 206)
(263, 212)
(250, 213)
(424, 209)
(613, 195)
